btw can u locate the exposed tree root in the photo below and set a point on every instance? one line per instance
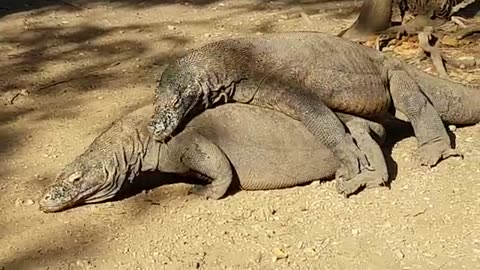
(459, 21)
(460, 6)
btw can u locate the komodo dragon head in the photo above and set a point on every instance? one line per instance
(174, 98)
(79, 183)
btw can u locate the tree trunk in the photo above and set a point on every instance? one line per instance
(375, 16)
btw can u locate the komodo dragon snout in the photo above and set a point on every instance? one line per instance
(172, 103)
(75, 186)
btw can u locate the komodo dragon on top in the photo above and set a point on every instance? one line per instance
(264, 148)
(308, 76)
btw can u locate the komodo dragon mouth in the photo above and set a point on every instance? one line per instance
(167, 118)
(60, 196)
(78, 188)
(163, 124)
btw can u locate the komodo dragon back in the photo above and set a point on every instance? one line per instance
(269, 150)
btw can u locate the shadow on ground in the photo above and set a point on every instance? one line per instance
(43, 6)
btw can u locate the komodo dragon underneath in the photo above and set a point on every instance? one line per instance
(309, 76)
(266, 150)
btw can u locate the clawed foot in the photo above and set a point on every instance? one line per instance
(351, 158)
(206, 191)
(431, 154)
(369, 179)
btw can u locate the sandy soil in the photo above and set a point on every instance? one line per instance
(67, 71)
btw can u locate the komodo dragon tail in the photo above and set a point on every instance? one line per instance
(456, 103)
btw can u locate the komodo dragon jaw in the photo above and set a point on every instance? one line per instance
(81, 187)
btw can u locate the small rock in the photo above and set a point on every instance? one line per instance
(84, 264)
(309, 250)
(452, 128)
(18, 202)
(449, 41)
(207, 35)
(109, 204)
(171, 27)
(399, 254)
(279, 254)
(29, 202)
(355, 231)
(300, 245)
(429, 255)
(467, 61)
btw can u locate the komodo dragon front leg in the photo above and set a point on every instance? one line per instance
(203, 157)
(362, 131)
(408, 98)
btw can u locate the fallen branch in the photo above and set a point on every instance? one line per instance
(18, 94)
(306, 18)
(468, 31)
(437, 59)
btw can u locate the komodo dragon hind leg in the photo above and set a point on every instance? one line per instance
(205, 157)
(433, 141)
(361, 130)
(320, 120)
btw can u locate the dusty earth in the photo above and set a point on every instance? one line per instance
(69, 68)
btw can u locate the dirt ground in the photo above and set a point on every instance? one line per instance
(69, 68)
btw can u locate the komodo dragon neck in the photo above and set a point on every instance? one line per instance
(219, 76)
(135, 152)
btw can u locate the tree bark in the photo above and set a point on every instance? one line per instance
(375, 16)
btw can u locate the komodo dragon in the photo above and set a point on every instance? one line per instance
(309, 76)
(266, 149)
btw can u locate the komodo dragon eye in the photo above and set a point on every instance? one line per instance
(74, 177)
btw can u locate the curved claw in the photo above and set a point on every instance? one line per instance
(352, 159)
(205, 191)
(367, 180)
(431, 155)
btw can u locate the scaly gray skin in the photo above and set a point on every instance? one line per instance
(266, 149)
(308, 76)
